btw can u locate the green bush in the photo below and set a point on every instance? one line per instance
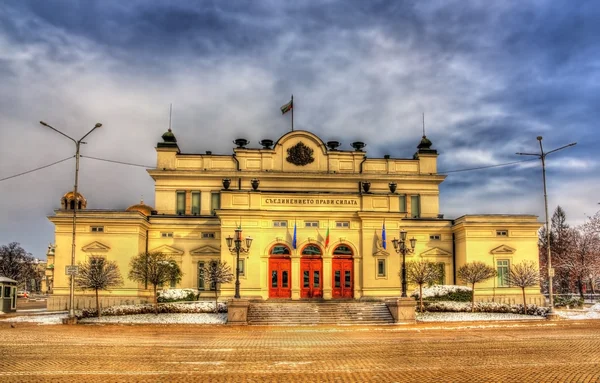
(564, 301)
(455, 296)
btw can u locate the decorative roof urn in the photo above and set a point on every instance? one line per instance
(255, 182)
(366, 185)
(226, 183)
(392, 186)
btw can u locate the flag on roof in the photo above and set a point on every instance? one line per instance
(287, 107)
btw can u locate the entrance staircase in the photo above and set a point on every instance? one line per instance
(315, 313)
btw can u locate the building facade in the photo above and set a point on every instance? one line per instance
(317, 216)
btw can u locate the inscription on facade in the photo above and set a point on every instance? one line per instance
(309, 201)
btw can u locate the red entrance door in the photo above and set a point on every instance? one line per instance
(279, 274)
(343, 281)
(311, 274)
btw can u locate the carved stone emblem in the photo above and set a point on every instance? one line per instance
(300, 154)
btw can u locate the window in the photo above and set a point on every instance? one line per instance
(311, 223)
(279, 223)
(196, 203)
(501, 233)
(342, 250)
(402, 203)
(381, 268)
(280, 250)
(311, 250)
(415, 206)
(242, 266)
(97, 229)
(503, 268)
(166, 234)
(435, 237)
(180, 203)
(342, 224)
(442, 277)
(208, 235)
(215, 202)
(201, 279)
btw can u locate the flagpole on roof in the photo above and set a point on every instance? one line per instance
(292, 112)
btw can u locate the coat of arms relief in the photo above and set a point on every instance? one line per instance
(300, 154)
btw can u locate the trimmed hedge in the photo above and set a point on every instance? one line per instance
(484, 307)
(561, 301)
(451, 293)
(164, 308)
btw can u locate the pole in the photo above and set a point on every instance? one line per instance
(542, 157)
(72, 279)
(549, 256)
(292, 112)
(403, 271)
(237, 269)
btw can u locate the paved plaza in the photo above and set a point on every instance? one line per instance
(459, 352)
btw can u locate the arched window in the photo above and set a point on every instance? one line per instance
(343, 250)
(280, 249)
(311, 250)
(72, 203)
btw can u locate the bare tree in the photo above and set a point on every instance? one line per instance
(98, 274)
(475, 272)
(154, 268)
(524, 274)
(217, 272)
(16, 263)
(422, 272)
(583, 260)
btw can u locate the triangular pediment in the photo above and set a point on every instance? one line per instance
(95, 247)
(166, 249)
(380, 252)
(206, 250)
(436, 252)
(503, 249)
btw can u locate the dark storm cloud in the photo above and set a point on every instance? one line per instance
(490, 77)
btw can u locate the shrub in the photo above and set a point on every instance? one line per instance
(445, 293)
(564, 301)
(176, 295)
(484, 307)
(165, 308)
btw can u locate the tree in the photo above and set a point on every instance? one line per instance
(217, 272)
(16, 263)
(422, 272)
(475, 272)
(583, 261)
(98, 274)
(154, 268)
(524, 274)
(561, 243)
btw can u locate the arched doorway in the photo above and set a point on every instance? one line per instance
(343, 275)
(280, 267)
(311, 272)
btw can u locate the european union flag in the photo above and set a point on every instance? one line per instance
(383, 236)
(294, 239)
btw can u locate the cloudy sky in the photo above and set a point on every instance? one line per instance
(490, 76)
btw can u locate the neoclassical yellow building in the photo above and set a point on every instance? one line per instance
(316, 214)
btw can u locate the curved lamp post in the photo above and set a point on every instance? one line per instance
(401, 248)
(542, 156)
(77, 146)
(235, 244)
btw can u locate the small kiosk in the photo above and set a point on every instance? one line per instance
(8, 295)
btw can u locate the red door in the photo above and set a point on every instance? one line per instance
(343, 281)
(279, 278)
(311, 278)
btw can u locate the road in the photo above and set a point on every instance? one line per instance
(484, 352)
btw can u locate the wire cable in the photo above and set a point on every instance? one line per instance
(488, 167)
(119, 162)
(36, 169)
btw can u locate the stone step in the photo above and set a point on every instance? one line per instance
(312, 313)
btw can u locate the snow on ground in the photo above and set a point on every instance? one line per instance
(589, 313)
(465, 317)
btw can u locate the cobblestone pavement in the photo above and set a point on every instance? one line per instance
(458, 352)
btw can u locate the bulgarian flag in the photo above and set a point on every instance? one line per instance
(287, 107)
(327, 237)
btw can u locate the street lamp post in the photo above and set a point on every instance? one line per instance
(77, 146)
(401, 248)
(235, 244)
(542, 156)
